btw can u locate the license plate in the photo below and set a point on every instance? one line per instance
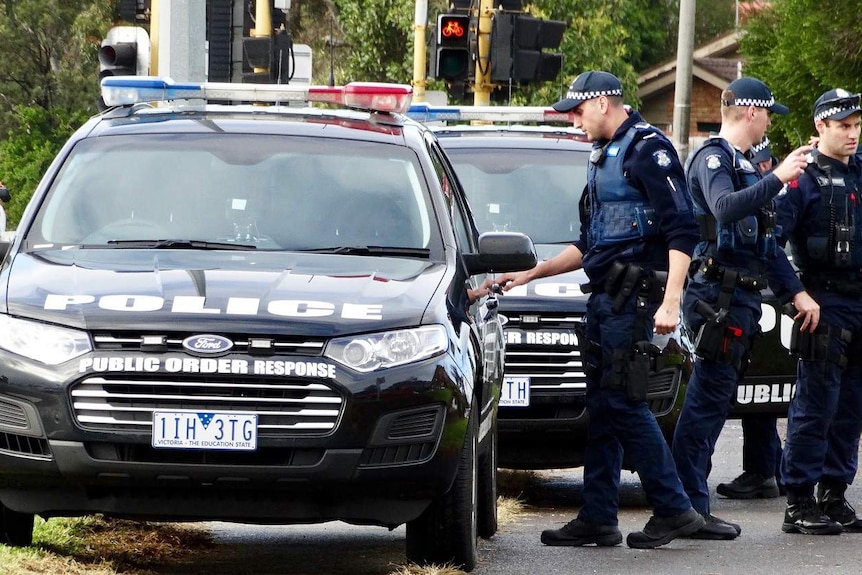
(516, 392)
(204, 430)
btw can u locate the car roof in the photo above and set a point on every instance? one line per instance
(511, 137)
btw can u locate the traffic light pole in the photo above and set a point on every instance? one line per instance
(420, 54)
(262, 23)
(482, 84)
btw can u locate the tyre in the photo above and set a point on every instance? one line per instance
(447, 531)
(487, 499)
(16, 529)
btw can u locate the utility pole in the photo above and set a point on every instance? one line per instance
(420, 54)
(182, 40)
(682, 94)
(482, 83)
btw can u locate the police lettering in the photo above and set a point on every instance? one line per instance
(298, 308)
(765, 393)
(294, 368)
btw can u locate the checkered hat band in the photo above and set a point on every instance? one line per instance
(759, 147)
(833, 110)
(591, 95)
(750, 102)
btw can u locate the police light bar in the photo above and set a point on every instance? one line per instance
(375, 96)
(424, 112)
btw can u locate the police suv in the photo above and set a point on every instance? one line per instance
(253, 313)
(529, 178)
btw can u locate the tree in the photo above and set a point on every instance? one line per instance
(48, 83)
(801, 48)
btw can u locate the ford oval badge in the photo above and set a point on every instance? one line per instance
(208, 344)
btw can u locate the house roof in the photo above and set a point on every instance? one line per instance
(716, 63)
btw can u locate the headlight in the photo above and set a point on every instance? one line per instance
(387, 349)
(42, 342)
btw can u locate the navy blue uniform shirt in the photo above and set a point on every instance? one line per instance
(798, 207)
(646, 168)
(713, 185)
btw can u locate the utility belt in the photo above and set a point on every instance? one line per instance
(631, 368)
(843, 286)
(714, 272)
(815, 346)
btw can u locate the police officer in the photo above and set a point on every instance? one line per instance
(761, 446)
(636, 219)
(821, 216)
(734, 208)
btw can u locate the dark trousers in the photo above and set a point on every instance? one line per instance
(711, 389)
(825, 415)
(617, 424)
(761, 446)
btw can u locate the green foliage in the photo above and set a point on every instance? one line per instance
(801, 48)
(48, 84)
(25, 155)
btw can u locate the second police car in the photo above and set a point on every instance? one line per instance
(262, 314)
(524, 170)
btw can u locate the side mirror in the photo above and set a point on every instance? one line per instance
(501, 252)
(4, 194)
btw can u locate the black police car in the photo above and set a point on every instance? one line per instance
(256, 314)
(529, 178)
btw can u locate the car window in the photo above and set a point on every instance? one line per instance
(272, 192)
(531, 191)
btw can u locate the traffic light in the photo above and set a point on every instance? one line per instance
(517, 44)
(453, 57)
(125, 51)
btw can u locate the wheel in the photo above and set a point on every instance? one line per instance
(487, 500)
(16, 529)
(447, 531)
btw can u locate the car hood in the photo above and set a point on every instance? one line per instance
(254, 292)
(564, 290)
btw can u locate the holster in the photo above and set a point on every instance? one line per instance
(815, 346)
(715, 338)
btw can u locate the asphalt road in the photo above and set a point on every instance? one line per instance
(336, 548)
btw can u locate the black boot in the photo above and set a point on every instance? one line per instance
(804, 516)
(830, 498)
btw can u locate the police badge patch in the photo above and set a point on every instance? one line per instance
(661, 158)
(713, 161)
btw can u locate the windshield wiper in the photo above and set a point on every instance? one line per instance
(180, 244)
(372, 251)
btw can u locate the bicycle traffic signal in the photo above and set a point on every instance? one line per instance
(453, 57)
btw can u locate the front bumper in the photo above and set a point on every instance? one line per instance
(394, 445)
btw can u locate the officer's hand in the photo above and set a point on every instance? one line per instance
(666, 318)
(513, 279)
(793, 165)
(808, 310)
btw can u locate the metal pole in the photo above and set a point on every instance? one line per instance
(154, 37)
(420, 54)
(682, 96)
(482, 84)
(262, 23)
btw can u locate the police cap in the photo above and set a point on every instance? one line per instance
(751, 92)
(761, 152)
(836, 105)
(587, 86)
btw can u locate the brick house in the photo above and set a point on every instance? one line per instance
(714, 66)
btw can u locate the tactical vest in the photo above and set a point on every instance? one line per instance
(752, 236)
(619, 212)
(834, 241)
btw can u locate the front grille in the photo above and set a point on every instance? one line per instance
(554, 367)
(285, 408)
(24, 445)
(173, 342)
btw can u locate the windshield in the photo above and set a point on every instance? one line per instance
(208, 191)
(531, 191)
